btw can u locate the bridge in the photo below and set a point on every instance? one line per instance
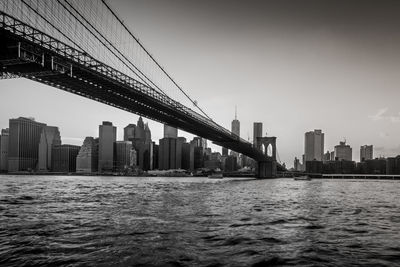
(66, 44)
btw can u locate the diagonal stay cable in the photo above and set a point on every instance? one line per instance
(153, 59)
(62, 33)
(116, 49)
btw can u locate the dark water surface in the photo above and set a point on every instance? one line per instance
(124, 221)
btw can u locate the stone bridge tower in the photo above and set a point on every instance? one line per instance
(267, 168)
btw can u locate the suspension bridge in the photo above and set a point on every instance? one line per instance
(84, 47)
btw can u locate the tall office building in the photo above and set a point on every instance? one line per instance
(171, 150)
(179, 151)
(63, 158)
(24, 138)
(185, 156)
(196, 153)
(129, 132)
(155, 156)
(143, 145)
(147, 134)
(49, 137)
(139, 130)
(122, 155)
(257, 132)
(170, 132)
(107, 137)
(236, 125)
(167, 153)
(314, 145)
(366, 153)
(87, 160)
(4, 150)
(225, 151)
(343, 152)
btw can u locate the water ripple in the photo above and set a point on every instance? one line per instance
(125, 221)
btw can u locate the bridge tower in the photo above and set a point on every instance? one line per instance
(267, 168)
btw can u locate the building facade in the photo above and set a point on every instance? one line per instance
(167, 154)
(87, 160)
(4, 139)
(170, 132)
(366, 153)
(64, 158)
(49, 137)
(107, 137)
(257, 132)
(179, 151)
(314, 145)
(140, 136)
(122, 154)
(24, 138)
(129, 132)
(343, 152)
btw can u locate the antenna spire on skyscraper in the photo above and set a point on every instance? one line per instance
(235, 112)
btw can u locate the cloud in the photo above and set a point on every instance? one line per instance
(381, 114)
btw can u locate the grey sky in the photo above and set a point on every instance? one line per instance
(293, 65)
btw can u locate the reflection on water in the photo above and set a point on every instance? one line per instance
(106, 221)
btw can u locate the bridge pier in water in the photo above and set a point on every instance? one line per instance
(267, 168)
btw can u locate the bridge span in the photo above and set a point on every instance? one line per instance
(26, 51)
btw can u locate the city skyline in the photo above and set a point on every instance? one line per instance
(296, 90)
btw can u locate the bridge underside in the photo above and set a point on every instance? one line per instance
(32, 54)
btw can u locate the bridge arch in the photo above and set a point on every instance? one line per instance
(268, 146)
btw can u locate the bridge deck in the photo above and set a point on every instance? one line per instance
(33, 54)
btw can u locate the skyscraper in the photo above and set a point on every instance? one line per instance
(107, 137)
(24, 138)
(257, 132)
(143, 145)
(170, 149)
(343, 152)
(185, 156)
(314, 145)
(4, 150)
(225, 151)
(49, 137)
(170, 132)
(366, 152)
(122, 155)
(87, 160)
(139, 130)
(179, 148)
(167, 153)
(129, 132)
(147, 134)
(236, 125)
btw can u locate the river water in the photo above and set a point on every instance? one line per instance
(130, 221)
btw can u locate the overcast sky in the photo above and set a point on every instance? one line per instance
(293, 65)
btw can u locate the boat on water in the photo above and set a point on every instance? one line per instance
(216, 176)
(302, 178)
